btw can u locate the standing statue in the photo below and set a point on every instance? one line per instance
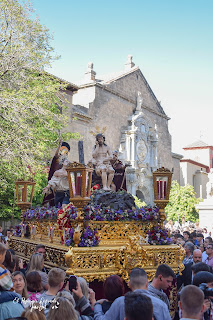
(59, 185)
(119, 180)
(102, 155)
(62, 153)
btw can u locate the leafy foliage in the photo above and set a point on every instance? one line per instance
(30, 117)
(182, 203)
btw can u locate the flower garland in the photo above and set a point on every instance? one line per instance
(40, 213)
(159, 236)
(89, 238)
(107, 214)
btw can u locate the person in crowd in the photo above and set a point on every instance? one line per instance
(34, 285)
(180, 239)
(20, 284)
(186, 235)
(191, 303)
(40, 248)
(138, 306)
(8, 235)
(19, 264)
(56, 277)
(193, 236)
(139, 284)
(189, 248)
(9, 261)
(173, 238)
(200, 238)
(163, 279)
(209, 252)
(34, 313)
(186, 277)
(6, 281)
(203, 277)
(200, 266)
(85, 291)
(207, 278)
(62, 308)
(36, 264)
(206, 242)
(113, 288)
(86, 312)
(8, 306)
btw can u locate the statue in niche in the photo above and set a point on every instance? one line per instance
(139, 101)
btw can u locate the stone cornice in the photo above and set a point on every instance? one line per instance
(195, 163)
(82, 117)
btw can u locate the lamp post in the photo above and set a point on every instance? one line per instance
(80, 179)
(162, 184)
(24, 194)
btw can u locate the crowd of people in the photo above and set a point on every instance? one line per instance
(30, 292)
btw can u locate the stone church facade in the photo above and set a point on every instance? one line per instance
(136, 124)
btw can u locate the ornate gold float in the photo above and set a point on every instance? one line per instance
(122, 247)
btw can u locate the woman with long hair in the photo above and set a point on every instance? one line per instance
(36, 264)
(34, 285)
(34, 313)
(113, 288)
(20, 284)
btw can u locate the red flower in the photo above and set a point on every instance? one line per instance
(139, 216)
(149, 209)
(154, 238)
(91, 217)
(116, 218)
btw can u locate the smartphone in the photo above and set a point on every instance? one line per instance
(72, 283)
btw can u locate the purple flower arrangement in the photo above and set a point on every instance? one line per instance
(159, 236)
(40, 213)
(99, 213)
(89, 238)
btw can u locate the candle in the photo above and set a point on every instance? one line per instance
(161, 189)
(78, 185)
(164, 189)
(33, 230)
(158, 190)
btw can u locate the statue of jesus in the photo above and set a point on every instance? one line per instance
(102, 156)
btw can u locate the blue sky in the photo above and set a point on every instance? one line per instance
(171, 41)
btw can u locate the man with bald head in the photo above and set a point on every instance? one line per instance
(197, 256)
(186, 277)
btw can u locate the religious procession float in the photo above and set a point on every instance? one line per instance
(100, 232)
(93, 240)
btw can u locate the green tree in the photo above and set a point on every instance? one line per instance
(30, 118)
(182, 203)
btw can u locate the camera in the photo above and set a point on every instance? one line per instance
(208, 292)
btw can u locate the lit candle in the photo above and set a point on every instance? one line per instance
(164, 189)
(161, 189)
(78, 185)
(33, 230)
(158, 189)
